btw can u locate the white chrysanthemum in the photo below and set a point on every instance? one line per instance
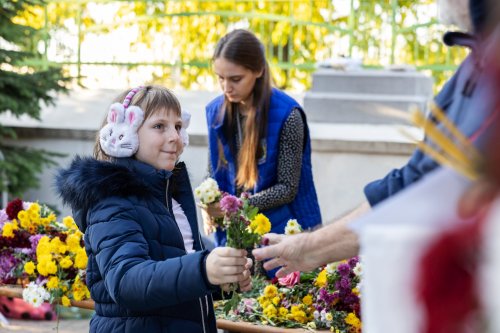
(208, 191)
(292, 227)
(35, 294)
(358, 270)
(330, 268)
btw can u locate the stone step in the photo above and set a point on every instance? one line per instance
(385, 82)
(360, 108)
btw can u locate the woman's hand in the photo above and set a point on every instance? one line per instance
(226, 265)
(209, 213)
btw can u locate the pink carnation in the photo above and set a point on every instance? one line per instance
(290, 280)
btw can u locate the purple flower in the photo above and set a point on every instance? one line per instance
(353, 262)
(351, 299)
(3, 217)
(230, 204)
(34, 241)
(345, 283)
(7, 263)
(344, 269)
(326, 297)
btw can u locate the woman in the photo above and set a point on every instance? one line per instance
(258, 139)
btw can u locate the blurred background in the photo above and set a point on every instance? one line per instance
(355, 65)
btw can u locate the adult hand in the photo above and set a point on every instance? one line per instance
(226, 265)
(246, 284)
(209, 213)
(476, 198)
(289, 252)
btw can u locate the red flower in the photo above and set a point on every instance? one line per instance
(13, 208)
(446, 282)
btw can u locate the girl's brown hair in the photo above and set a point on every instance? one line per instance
(243, 48)
(150, 99)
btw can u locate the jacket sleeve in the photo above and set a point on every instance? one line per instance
(398, 179)
(419, 164)
(131, 277)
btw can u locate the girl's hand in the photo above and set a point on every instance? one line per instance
(227, 265)
(209, 213)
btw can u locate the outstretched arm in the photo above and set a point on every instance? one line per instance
(307, 251)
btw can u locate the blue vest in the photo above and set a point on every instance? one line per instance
(305, 206)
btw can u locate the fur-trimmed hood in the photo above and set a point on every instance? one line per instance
(87, 181)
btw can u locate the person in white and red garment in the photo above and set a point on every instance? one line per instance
(467, 99)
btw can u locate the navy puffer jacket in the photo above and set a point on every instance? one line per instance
(139, 275)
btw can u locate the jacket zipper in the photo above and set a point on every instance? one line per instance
(185, 252)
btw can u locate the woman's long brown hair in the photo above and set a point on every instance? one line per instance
(243, 48)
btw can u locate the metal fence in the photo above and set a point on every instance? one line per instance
(297, 34)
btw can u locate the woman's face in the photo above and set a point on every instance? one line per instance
(160, 144)
(236, 81)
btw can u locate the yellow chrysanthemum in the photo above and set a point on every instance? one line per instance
(307, 300)
(265, 303)
(34, 207)
(53, 282)
(299, 316)
(8, 230)
(321, 279)
(260, 224)
(43, 246)
(276, 300)
(34, 217)
(66, 262)
(81, 259)
(353, 320)
(270, 311)
(261, 299)
(69, 222)
(56, 244)
(65, 301)
(29, 267)
(270, 291)
(73, 242)
(283, 312)
(329, 316)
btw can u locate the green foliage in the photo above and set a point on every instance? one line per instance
(23, 86)
(296, 34)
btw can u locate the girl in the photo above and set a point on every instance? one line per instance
(147, 270)
(258, 138)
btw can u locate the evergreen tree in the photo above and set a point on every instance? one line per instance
(24, 85)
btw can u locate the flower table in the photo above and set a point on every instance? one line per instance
(235, 327)
(17, 292)
(244, 327)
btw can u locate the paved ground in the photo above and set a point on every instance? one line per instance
(32, 326)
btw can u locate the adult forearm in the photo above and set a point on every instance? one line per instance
(335, 241)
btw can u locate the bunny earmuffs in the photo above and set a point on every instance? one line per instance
(119, 137)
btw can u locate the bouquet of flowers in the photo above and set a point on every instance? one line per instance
(208, 192)
(327, 298)
(242, 222)
(43, 255)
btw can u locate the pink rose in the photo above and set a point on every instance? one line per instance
(290, 280)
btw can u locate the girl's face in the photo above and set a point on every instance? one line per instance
(160, 144)
(236, 81)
